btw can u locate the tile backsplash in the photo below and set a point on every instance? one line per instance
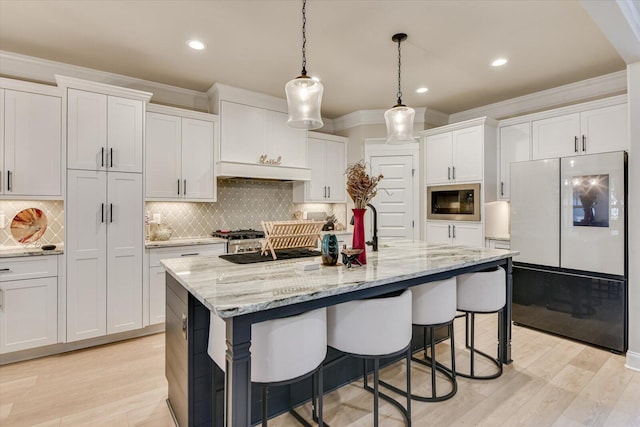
(53, 210)
(241, 204)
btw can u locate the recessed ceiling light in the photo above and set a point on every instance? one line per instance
(499, 62)
(422, 90)
(196, 44)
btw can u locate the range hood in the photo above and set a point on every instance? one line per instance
(264, 172)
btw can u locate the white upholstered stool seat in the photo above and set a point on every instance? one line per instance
(480, 292)
(371, 329)
(434, 305)
(282, 351)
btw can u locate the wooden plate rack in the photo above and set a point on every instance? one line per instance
(290, 235)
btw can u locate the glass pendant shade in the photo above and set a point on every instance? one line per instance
(399, 120)
(304, 96)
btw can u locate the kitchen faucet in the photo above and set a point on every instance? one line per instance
(374, 239)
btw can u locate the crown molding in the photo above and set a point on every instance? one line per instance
(91, 86)
(369, 117)
(44, 71)
(582, 91)
(487, 121)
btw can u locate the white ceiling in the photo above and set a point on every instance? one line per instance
(256, 44)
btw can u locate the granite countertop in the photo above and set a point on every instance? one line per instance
(230, 289)
(19, 251)
(182, 242)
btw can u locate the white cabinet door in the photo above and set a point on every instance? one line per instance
(124, 252)
(157, 295)
(317, 187)
(439, 232)
(467, 154)
(124, 134)
(467, 234)
(243, 133)
(438, 162)
(604, 129)
(32, 144)
(197, 159)
(555, 136)
(162, 157)
(85, 249)
(86, 130)
(335, 171)
(514, 147)
(28, 314)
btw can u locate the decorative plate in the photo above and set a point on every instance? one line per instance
(28, 225)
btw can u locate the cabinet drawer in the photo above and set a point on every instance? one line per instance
(155, 255)
(29, 267)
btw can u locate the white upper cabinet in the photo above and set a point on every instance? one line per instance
(179, 155)
(597, 130)
(327, 160)
(255, 141)
(105, 126)
(30, 142)
(455, 156)
(514, 147)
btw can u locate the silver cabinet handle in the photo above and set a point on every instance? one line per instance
(9, 180)
(584, 144)
(102, 213)
(178, 187)
(101, 157)
(185, 324)
(1, 298)
(184, 187)
(329, 189)
(110, 212)
(454, 174)
(454, 231)
(192, 254)
(502, 188)
(5, 269)
(325, 191)
(111, 156)
(449, 229)
(449, 172)
(575, 144)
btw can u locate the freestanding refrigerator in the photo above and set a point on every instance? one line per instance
(568, 220)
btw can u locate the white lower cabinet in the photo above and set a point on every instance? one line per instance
(28, 303)
(104, 248)
(455, 233)
(157, 273)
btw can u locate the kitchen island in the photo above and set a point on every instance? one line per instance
(246, 294)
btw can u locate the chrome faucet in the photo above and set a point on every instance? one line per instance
(374, 240)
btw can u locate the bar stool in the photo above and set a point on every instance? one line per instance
(434, 305)
(371, 329)
(283, 351)
(480, 292)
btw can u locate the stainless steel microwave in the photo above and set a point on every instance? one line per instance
(459, 202)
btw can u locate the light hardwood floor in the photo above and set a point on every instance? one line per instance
(552, 382)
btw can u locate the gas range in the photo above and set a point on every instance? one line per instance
(241, 240)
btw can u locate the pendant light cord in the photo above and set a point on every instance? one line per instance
(399, 94)
(304, 37)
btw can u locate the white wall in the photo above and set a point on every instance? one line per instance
(633, 355)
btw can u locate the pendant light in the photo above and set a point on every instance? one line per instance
(399, 119)
(304, 94)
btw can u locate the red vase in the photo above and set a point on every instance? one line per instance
(358, 234)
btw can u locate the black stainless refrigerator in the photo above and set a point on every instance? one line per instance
(568, 220)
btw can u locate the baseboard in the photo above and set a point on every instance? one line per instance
(49, 350)
(633, 361)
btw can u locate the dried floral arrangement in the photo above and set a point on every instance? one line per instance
(360, 185)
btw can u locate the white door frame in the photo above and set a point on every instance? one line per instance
(379, 147)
